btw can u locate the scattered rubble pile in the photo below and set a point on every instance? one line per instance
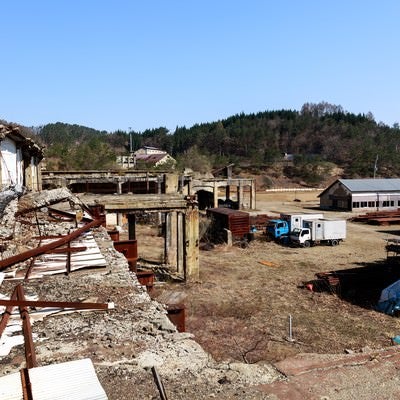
(85, 304)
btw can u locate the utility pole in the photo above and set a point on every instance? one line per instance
(130, 140)
(376, 165)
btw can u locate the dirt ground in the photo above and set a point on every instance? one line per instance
(240, 309)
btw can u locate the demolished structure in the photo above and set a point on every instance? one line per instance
(71, 300)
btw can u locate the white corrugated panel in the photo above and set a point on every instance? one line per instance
(74, 380)
(51, 263)
(10, 387)
(8, 150)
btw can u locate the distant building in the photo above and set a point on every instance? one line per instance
(361, 195)
(145, 157)
(288, 157)
(147, 150)
(20, 159)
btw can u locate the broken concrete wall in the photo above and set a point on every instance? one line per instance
(126, 341)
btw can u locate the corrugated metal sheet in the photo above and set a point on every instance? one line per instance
(371, 185)
(49, 264)
(238, 222)
(74, 380)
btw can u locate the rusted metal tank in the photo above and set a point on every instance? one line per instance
(146, 278)
(176, 314)
(129, 249)
(114, 235)
(238, 222)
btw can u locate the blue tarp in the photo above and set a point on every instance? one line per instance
(389, 302)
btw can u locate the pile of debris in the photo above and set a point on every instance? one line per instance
(68, 297)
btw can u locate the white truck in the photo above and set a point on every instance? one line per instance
(279, 229)
(330, 231)
(297, 220)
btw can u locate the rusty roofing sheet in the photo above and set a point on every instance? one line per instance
(227, 211)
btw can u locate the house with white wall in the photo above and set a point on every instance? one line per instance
(20, 159)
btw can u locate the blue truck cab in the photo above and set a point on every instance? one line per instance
(276, 228)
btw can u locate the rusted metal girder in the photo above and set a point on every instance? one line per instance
(18, 300)
(7, 312)
(60, 304)
(26, 384)
(68, 267)
(8, 262)
(30, 355)
(67, 214)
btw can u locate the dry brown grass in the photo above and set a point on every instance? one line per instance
(239, 309)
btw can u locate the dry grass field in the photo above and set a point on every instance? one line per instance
(240, 308)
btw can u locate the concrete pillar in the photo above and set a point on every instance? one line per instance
(119, 219)
(253, 195)
(132, 226)
(171, 183)
(191, 245)
(159, 182)
(180, 237)
(240, 195)
(228, 237)
(227, 192)
(215, 192)
(119, 187)
(171, 235)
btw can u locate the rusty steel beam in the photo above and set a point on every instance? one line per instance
(28, 272)
(26, 384)
(68, 266)
(30, 355)
(31, 264)
(61, 304)
(8, 262)
(66, 214)
(7, 313)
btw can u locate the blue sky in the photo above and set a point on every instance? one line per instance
(145, 64)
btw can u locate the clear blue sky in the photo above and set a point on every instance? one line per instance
(144, 64)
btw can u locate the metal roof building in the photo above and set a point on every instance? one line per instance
(361, 194)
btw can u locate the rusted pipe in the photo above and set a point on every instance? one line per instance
(26, 384)
(30, 355)
(66, 214)
(60, 304)
(7, 312)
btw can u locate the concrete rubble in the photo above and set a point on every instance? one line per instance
(125, 342)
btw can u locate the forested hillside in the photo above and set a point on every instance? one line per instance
(319, 136)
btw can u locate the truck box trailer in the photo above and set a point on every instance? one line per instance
(330, 231)
(279, 228)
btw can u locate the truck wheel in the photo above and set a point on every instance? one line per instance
(334, 242)
(306, 244)
(244, 244)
